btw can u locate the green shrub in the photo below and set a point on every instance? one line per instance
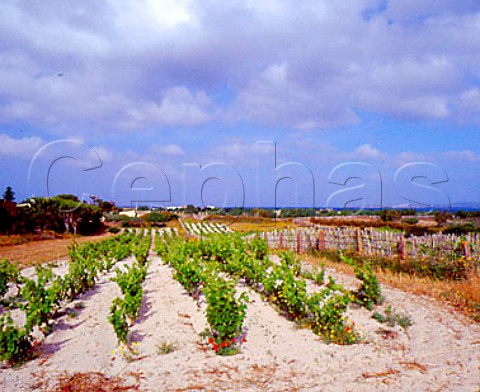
(393, 318)
(369, 293)
(15, 343)
(8, 273)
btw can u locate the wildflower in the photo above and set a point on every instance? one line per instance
(222, 344)
(114, 352)
(215, 347)
(233, 340)
(135, 351)
(244, 340)
(210, 340)
(35, 343)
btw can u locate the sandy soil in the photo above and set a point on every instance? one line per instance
(439, 352)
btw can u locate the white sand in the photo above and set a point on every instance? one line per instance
(440, 352)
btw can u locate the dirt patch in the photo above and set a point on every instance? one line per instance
(38, 252)
(93, 382)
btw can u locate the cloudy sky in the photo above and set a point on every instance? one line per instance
(319, 102)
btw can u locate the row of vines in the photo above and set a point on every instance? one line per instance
(30, 304)
(210, 270)
(125, 310)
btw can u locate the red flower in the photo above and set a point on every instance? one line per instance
(233, 340)
(222, 344)
(348, 329)
(244, 340)
(35, 343)
(227, 343)
(215, 347)
(210, 340)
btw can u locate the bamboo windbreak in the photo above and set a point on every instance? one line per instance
(374, 242)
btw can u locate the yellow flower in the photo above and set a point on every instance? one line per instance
(114, 352)
(135, 351)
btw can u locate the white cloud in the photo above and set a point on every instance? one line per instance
(367, 151)
(465, 155)
(104, 66)
(19, 148)
(469, 105)
(105, 154)
(167, 149)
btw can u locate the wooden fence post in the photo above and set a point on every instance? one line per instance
(359, 242)
(299, 242)
(466, 248)
(321, 240)
(401, 248)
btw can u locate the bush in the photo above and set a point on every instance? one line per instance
(160, 217)
(369, 293)
(8, 273)
(393, 318)
(15, 343)
(410, 221)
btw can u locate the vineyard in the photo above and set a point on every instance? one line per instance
(204, 228)
(154, 310)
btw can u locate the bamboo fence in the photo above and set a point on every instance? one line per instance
(374, 242)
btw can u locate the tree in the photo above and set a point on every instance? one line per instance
(9, 195)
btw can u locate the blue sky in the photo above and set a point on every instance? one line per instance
(171, 102)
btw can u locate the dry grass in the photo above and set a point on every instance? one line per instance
(412, 365)
(18, 239)
(92, 382)
(176, 224)
(38, 252)
(244, 224)
(254, 378)
(386, 373)
(265, 226)
(463, 296)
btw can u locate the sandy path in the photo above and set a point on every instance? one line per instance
(440, 352)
